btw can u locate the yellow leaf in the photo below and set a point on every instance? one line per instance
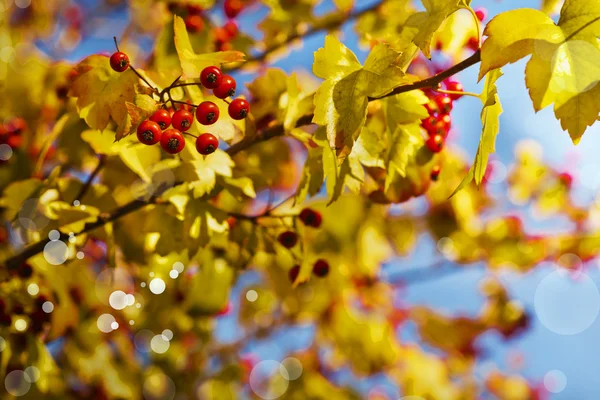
(490, 116)
(404, 144)
(137, 112)
(101, 92)
(71, 218)
(191, 63)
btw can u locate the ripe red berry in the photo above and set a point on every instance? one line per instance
(233, 8)
(566, 179)
(293, 273)
(149, 132)
(231, 29)
(226, 88)
(473, 43)
(207, 113)
(455, 86)
(119, 61)
(162, 117)
(288, 239)
(321, 268)
(435, 143)
(435, 173)
(182, 120)
(207, 143)
(481, 14)
(239, 109)
(194, 23)
(310, 217)
(172, 141)
(25, 271)
(429, 124)
(431, 107)
(211, 77)
(444, 103)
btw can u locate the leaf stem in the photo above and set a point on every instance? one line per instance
(457, 93)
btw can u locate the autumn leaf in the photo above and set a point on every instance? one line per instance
(420, 27)
(341, 101)
(490, 117)
(405, 141)
(565, 64)
(101, 92)
(191, 63)
(137, 112)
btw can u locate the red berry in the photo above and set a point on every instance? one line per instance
(182, 120)
(321, 268)
(149, 132)
(481, 14)
(455, 86)
(207, 143)
(194, 23)
(231, 28)
(435, 173)
(444, 103)
(25, 271)
(310, 217)
(194, 9)
(431, 107)
(293, 273)
(15, 141)
(119, 61)
(429, 124)
(16, 126)
(288, 239)
(233, 8)
(566, 179)
(226, 88)
(239, 109)
(162, 117)
(172, 141)
(473, 43)
(207, 113)
(211, 77)
(435, 143)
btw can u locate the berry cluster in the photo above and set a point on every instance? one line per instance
(11, 132)
(438, 123)
(289, 239)
(154, 130)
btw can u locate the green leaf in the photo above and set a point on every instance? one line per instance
(382, 71)
(201, 171)
(490, 116)
(140, 159)
(312, 175)
(404, 144)
(405, 108)
(295, 103)
(102, 142)
(191, 63)
(101, 92)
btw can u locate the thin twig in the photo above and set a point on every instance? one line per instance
(88, 183)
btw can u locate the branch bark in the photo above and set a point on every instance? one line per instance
(269, 133)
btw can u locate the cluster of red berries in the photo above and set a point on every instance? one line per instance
(320, 269)
(289, 239)
(37, 316)
(11, 132)
(154, 130)
(438, 123)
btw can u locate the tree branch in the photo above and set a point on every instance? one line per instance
(333, 23)
(274, 131)
(88, 182)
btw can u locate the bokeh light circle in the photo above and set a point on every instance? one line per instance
(159, 344)
(16, 383)
(555, 381)
(118, 300)
(142, 340)
(104, 323)
(6, 152)
(293, 367)
(158, 386)
(56, 252)
(157, 286)
(32, 374)
(567, 306)
(269, 379)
